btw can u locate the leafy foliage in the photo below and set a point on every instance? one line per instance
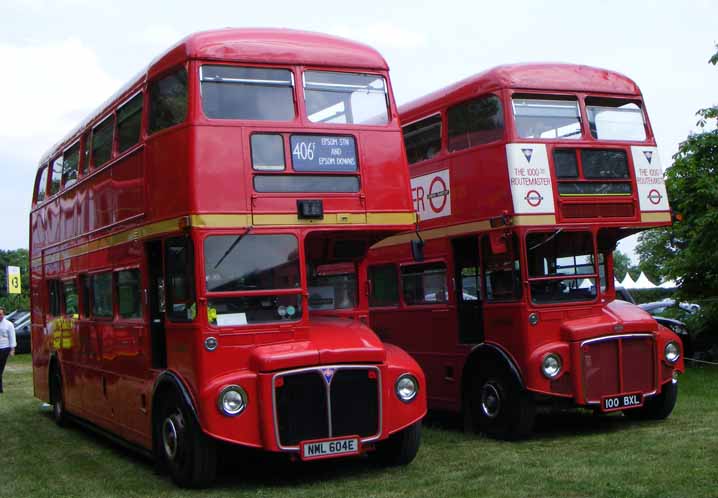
(18, 257)
(687, 251)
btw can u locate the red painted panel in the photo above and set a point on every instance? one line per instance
(128, 183)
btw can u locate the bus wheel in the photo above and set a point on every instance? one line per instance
(56, 397)
(498, 406)
(182, 447)
(401, 448)
(657, 407)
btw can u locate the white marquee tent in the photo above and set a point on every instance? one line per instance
(643, 283)
(628, 282)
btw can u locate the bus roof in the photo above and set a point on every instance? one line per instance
(527, 76)
(253, 45)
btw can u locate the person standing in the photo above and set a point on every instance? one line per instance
(8, 343)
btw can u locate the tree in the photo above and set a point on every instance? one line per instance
(19, 258)
(621, 265)
(687, 250)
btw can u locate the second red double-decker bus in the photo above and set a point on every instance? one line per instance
(198, 256)
(525, 177)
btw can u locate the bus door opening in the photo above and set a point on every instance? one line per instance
(156, 303)
(467, 277)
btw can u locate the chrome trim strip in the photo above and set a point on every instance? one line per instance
(611, 337)
(319, 369)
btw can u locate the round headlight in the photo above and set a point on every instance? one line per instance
(232, 400)
(406, 387)
(551, 365)
(672, 352)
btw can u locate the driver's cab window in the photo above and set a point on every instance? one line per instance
(332, 287)
(502, 271)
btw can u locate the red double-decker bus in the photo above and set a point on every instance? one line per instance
(525, 177)
(198, 255)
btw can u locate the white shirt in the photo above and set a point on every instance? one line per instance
(7, 334)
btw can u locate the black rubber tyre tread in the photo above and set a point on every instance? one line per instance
(57, 398)
(658, 407)
(401, 448)
(198, 467)
(515, 420)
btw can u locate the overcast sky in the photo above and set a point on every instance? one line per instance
(62, 58)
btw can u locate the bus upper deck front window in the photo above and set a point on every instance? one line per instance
(615, 119)
(547, 117)
(561, 266)
(346, 98)
(252, 93)
(245, 263)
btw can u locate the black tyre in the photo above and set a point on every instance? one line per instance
(401, 448)
(181, 447)
(57, 398)
(495, 404)
(657, 407)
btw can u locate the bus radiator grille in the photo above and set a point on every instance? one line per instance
(618, 365)
(303, 398)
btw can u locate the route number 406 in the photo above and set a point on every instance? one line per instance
(304, 151)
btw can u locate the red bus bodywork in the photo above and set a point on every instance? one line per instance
(504, 198)
(151, 356)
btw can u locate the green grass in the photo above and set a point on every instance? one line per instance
(571, 455)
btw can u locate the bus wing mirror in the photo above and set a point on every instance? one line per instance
(498, 242)
(417, 250)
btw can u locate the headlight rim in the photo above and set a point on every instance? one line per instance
(415, 381)
(242, 393)
(559, 369)
(677, 354)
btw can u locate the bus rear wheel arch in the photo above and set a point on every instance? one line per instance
(180, 446)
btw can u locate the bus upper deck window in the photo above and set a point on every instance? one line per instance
(615, 119)
(346, 98)
(255, 93)
(547, 117)
(168, 101)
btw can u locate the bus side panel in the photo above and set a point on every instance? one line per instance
(128, 183)
(217, 148)
(39, 344)
(166, 163)
(386, 182)
(474, 178)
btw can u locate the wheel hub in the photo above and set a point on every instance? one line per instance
(490, 400)
(171, 436)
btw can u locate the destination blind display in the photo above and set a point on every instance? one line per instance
(323, 153)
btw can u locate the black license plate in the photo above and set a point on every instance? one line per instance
(621, 402)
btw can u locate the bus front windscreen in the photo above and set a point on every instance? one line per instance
(546, 117)
(346, 98)
(561, 266)
(241, 264)
(615, 119)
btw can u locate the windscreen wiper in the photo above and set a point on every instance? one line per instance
(547, 239)
(231, 248)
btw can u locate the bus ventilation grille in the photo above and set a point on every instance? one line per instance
(618, 365)
(303, 399)
(603, 210)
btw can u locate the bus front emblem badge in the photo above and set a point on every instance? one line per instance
(649, 155)
(527, 154)
(328, 374)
